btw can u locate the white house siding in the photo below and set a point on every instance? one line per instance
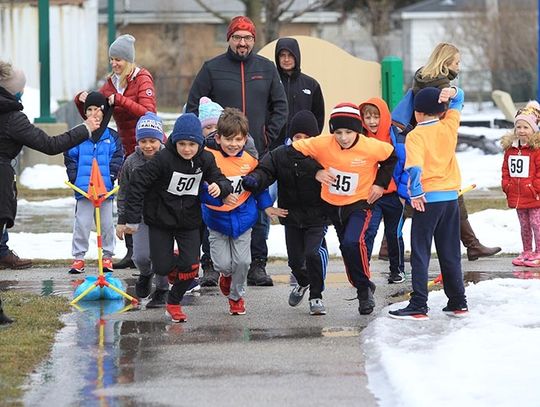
(73, 45)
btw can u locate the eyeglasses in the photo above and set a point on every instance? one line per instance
(246, 38)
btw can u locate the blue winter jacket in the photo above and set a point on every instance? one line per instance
(401, 177)
(109, 154)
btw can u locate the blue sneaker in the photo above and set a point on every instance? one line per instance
(410, 312)
(194, 286)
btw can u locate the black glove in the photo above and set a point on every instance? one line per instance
(250, 182)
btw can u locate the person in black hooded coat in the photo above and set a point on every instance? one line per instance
(303, 92)
(16, 131)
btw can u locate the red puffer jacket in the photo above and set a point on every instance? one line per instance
(138, 98)
(521, 172)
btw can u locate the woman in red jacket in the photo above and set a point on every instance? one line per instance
(521, 181)
(130, 89)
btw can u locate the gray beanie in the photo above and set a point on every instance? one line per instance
(123, 47)
(12, 79)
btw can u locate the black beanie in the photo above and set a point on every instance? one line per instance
(427, 101)
(95, 99)
(304, 122)
(346, 116)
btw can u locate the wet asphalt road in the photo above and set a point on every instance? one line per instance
(274, 355)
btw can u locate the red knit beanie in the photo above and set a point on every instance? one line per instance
(240, 23)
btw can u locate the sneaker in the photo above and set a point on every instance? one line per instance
(257, 274)
(210, 276)
(176, 313)
(158, 299)
(14, 262)
(458, 312)
(107, 265)
(4, 319)
(396, 278)
(316, 307)
(237, 307)
(366, 302)
(143, 286)
(409, 312)
(193, 287)
(522, 258)
(77, 267)
(225, 285)
(297, 295)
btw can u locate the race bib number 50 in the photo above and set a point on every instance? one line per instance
(518, 166)
(346, 182)
(184, 184)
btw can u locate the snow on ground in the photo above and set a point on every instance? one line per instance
(490, 358)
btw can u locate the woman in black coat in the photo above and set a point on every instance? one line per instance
(16, 131)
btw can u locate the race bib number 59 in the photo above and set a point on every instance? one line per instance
(184, 184)
(518, 166)
(345, 184)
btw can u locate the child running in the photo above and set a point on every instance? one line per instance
(435, 180)
(168, 189)
(306, 223)
(149, 136)
(521, 180)
(230, 225)
(105, 146)
(357, 170)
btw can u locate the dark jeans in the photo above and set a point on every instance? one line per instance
(205, 258)
(4, 249)
(308, 257)
(259, 235)
(439, 222)
(390, 209)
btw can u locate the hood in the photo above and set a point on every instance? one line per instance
(169, 145)
(8, 102)
(107, 114)
(291, 45)
(510, 139)
(440, 81)
(383, 132)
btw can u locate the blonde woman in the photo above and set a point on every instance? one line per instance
(130, 89)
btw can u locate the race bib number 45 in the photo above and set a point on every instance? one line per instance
(518, 166)
(184, 184)
(346, 182)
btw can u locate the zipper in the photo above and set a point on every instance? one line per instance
(243, 87)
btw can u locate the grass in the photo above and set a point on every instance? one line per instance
(477, 205)
(42, 194)
(28, 341)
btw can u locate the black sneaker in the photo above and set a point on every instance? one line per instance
(366, 302)
(410, 312)
(396, 278)
(4, 319)
(158, 299)
(459, 312)
(143, 286)
(297, 295)
(257, 274)
(210, 275)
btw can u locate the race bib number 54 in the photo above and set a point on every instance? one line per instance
(518, 166)
(345, 184)
(184, 184)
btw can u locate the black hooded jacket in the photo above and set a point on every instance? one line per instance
(16, 131)
(164, 189)
(303, 92)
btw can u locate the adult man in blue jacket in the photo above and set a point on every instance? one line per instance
(242, 79)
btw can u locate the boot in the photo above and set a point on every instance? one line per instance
(210, 276)
(383, 251)
(12, 261)
(4, 319)
(126, 262)
(475, 249)
(257, 274)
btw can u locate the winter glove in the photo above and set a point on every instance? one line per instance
(250, 182)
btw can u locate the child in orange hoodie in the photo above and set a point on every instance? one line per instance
(377, 123)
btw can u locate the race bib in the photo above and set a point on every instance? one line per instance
(518, 165)
(185, 184)
(236, 183)
(346, 182)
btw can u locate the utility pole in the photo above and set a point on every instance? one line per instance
(44, 64)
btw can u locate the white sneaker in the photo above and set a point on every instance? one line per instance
(316, 307)
(297, 295)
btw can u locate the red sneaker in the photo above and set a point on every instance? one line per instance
(107, 265)
(225, 284)
(176, 313)
(77, 267)
(237, 307)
